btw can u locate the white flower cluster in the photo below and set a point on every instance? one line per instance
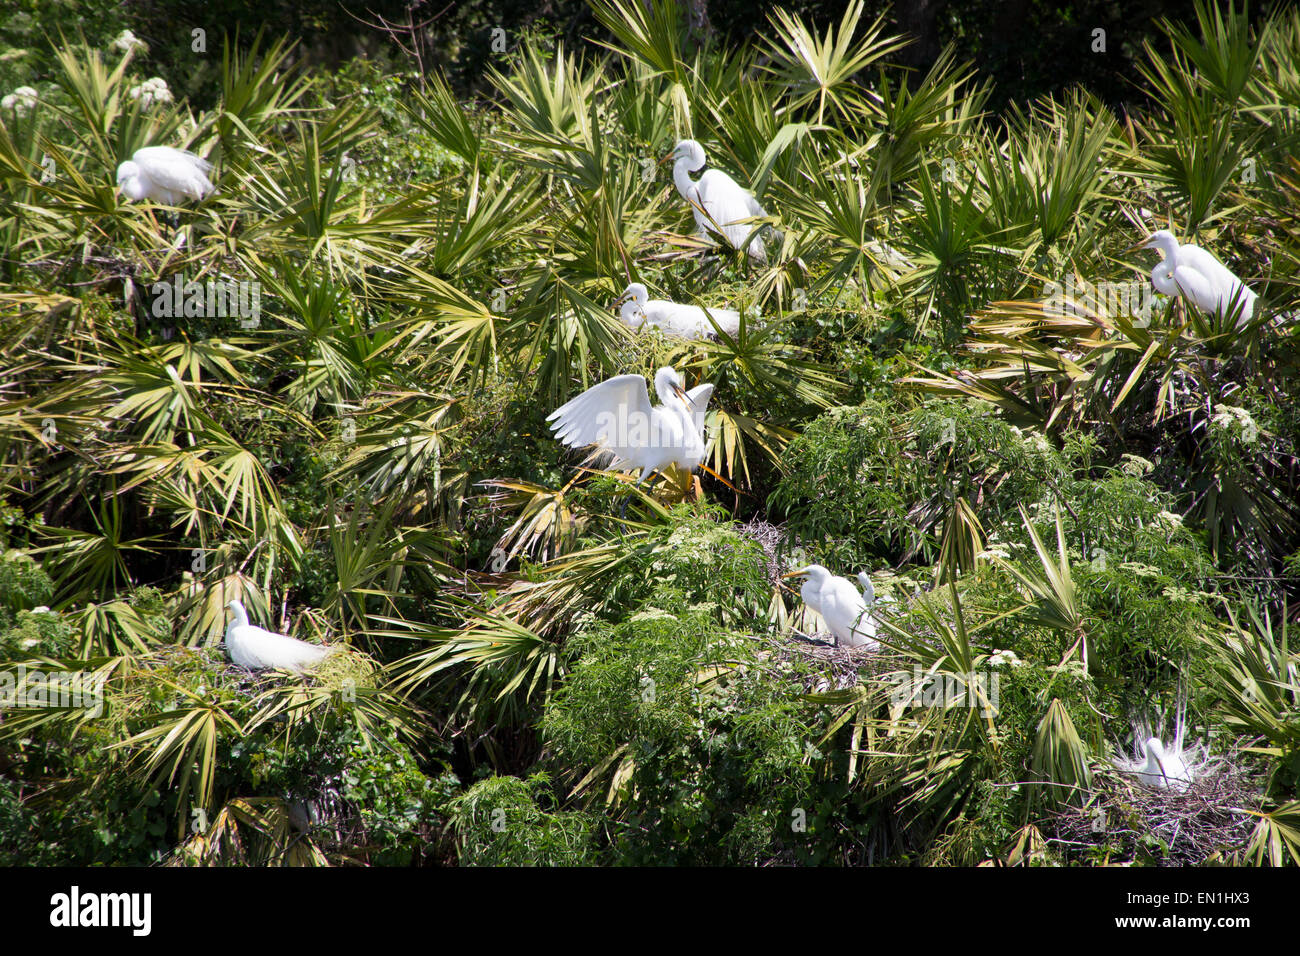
(126, 41)
(1230, 417)
(20, 100)
(1135, 466)
(998, 658)
(153, 90)
(1170, 519)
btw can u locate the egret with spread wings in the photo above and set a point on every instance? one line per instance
(616, 417)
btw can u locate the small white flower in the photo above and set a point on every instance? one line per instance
(152, 90)
(988, 554)
(1171, 519)
(20, 100)
(1230, 418)
(998, 658)
(41, 610)
(1136, 466)
(126, 41)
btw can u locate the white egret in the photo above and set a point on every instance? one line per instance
(165, 175)
(1157, 767)
(258, 649)
(683, 321)
(844, 610)
(1190, 271)
(617, 418)
(720, 203)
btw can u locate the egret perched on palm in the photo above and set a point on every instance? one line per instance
(165, 175)
(638, 310)
(259, 649)
(1191, 272)
(845, 610)
(616, 417)
(719, 203)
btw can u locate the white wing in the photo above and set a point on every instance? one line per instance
(175, 170)
(689, 321)
(257, 648)
(1192, 284)
(699, 396)
(606, 415)
(846, 613)
(728, 320)
(728, 203)
(1225, 288)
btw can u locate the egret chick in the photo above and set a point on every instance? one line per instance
(637, 310)
(841, 606)
(717, 200)
(259, 649)
(616, 416)
(165, 175)
(1190, 271)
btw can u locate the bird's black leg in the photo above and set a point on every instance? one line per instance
(623, 511)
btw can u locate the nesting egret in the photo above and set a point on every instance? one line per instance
(844, 610)
(1157, 767)
(682, 321)
(616, 417)
(1192, 272)
(165, 175)
(258, 649)
(718, 201)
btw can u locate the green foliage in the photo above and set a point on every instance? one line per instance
(502, 821)
(537, 664)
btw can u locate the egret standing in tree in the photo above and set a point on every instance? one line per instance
(845, 610)
(683, 321)
(719, 203)
(1195, 274)
(259, 649)
(616, 416)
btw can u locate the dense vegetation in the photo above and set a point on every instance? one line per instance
(1083, 514)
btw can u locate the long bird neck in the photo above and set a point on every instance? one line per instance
(1169, 249)
(241, 616)
(682, 177)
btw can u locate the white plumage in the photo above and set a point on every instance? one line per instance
(1157, 767)
(1192, 272)
(717, 200)
(840, 604)
(637, 310)
(165, 175)
(258, 649)
(617, 418)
